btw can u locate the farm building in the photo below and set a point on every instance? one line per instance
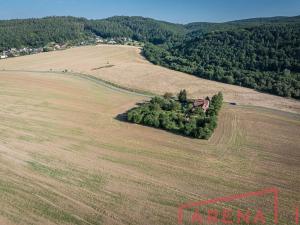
(203, 103)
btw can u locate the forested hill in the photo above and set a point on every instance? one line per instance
(137, 28)
(260, 53)
(205, 27)
(38, 32)
(268, 20)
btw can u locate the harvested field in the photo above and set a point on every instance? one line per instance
(65, 159)
(125, 66)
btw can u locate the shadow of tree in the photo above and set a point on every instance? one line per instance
(122, 117)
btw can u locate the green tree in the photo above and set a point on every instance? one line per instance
(182, 96)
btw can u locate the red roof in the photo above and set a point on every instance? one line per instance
(203, 103)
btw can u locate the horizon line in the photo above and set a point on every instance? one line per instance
(241, 19)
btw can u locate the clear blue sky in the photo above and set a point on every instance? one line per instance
(179, 11)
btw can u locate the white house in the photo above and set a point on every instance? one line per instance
(112, 42)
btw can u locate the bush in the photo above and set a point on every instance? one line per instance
(182, 96)
(168, 95)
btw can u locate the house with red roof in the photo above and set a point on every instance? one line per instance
(203, 103)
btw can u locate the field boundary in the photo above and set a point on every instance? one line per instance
(138, 92)
(94, 79)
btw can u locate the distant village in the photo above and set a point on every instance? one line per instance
(52, 46)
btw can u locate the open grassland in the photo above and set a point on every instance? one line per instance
(123, 65)
(65, 159)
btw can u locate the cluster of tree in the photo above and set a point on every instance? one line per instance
(178, 115)
(264, 57)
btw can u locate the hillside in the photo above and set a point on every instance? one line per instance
(86, 137)
(137, 28)
(264, 57)
(205, 27)
(38, 32)
(259, 53)
(66, 159)
(124, 65)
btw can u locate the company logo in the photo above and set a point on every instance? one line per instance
(191, 212)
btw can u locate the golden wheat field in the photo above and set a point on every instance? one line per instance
(66, 159)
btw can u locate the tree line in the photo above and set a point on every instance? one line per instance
(178, 115)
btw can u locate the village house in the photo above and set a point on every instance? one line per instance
(3, 56)
(37, 50)
(57, 46)
(203, 103)
(99, 40)
(112, 42)
(13, 52)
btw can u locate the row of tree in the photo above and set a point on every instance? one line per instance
(178, 115)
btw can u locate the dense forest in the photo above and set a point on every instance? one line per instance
(178, 115)
(260, 53)
(265, 58)
(137, 28)
(39, 32)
